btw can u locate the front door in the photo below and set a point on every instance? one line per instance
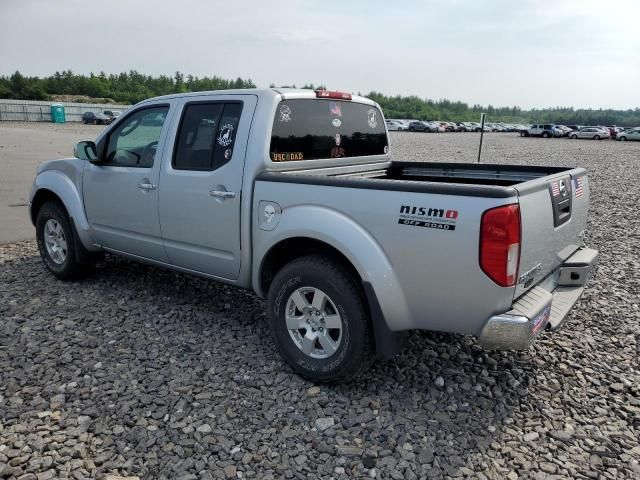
(201, 187)
(121, 192)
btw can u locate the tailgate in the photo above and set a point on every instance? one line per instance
(553, 212)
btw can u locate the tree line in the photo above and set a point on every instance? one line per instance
(425, 109)
(125, 87)
(133, 86)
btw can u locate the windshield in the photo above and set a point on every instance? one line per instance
(312, 129)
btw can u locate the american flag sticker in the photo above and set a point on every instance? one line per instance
(335, 109)
(555, 189)
(578, 186)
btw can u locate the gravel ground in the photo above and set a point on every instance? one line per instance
(147, 373)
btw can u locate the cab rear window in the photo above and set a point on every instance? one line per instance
(313, 129)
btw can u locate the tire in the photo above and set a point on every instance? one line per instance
(622, 139)
(57, 243)
(351, 350)
(596, 137)
(573, 137)
(545, 134)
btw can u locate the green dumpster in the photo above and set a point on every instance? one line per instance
(57, 113)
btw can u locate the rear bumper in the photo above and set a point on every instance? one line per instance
(546, 305)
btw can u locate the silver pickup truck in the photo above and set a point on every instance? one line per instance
(293, 193)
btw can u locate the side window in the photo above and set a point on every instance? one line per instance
(134, 141)
(207, 135)
(226, 136)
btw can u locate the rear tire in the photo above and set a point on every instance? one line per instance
(545, 135)
(319, 320)
(57, 243)
(596, 137)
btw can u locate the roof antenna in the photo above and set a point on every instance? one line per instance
(482, 115)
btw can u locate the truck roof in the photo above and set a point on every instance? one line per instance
(260, 92)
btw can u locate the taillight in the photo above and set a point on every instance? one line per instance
(333, 94)
(500, 244)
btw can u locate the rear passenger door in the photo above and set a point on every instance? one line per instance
(201, 186)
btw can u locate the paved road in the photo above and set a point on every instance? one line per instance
(22, 147)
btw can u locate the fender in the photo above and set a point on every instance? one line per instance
(60, 184)
(349, 238)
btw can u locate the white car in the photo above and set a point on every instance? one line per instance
(631, 134)
(593, 133)
(396, 126)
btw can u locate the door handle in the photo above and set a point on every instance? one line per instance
(146, 186)
(222, 194)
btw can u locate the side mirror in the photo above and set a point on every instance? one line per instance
(86, 151)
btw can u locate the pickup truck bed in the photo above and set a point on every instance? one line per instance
(390, 200)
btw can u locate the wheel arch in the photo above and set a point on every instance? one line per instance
(41, 197)
(55, 186)
(313, 229)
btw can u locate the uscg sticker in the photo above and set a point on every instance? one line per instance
(336, 122)
(287, 156)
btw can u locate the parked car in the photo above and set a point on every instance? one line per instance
(112, 114)
(575, 127)
(546, 130)
(342, 286)
(563, 130)
(420, 126)
(394, 125)
(630, 134)
(613, 130)
(593, 133)
(95, 118)
(438, 127)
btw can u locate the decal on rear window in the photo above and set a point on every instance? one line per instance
(285, 113)
(314, 129)
(287, 157)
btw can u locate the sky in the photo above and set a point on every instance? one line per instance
(580, 53)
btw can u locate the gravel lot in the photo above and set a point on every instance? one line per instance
(142, 372)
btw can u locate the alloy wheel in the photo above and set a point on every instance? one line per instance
(313, 322)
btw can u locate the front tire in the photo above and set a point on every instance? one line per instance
(623, 139)
(319, 320)
(56, 243)
(573, 137)
(545, 135)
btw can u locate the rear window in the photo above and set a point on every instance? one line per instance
(320, 129)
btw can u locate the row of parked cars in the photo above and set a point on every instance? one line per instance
(574, 132)
(547, 130)
(106, 117)
(437, 126)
